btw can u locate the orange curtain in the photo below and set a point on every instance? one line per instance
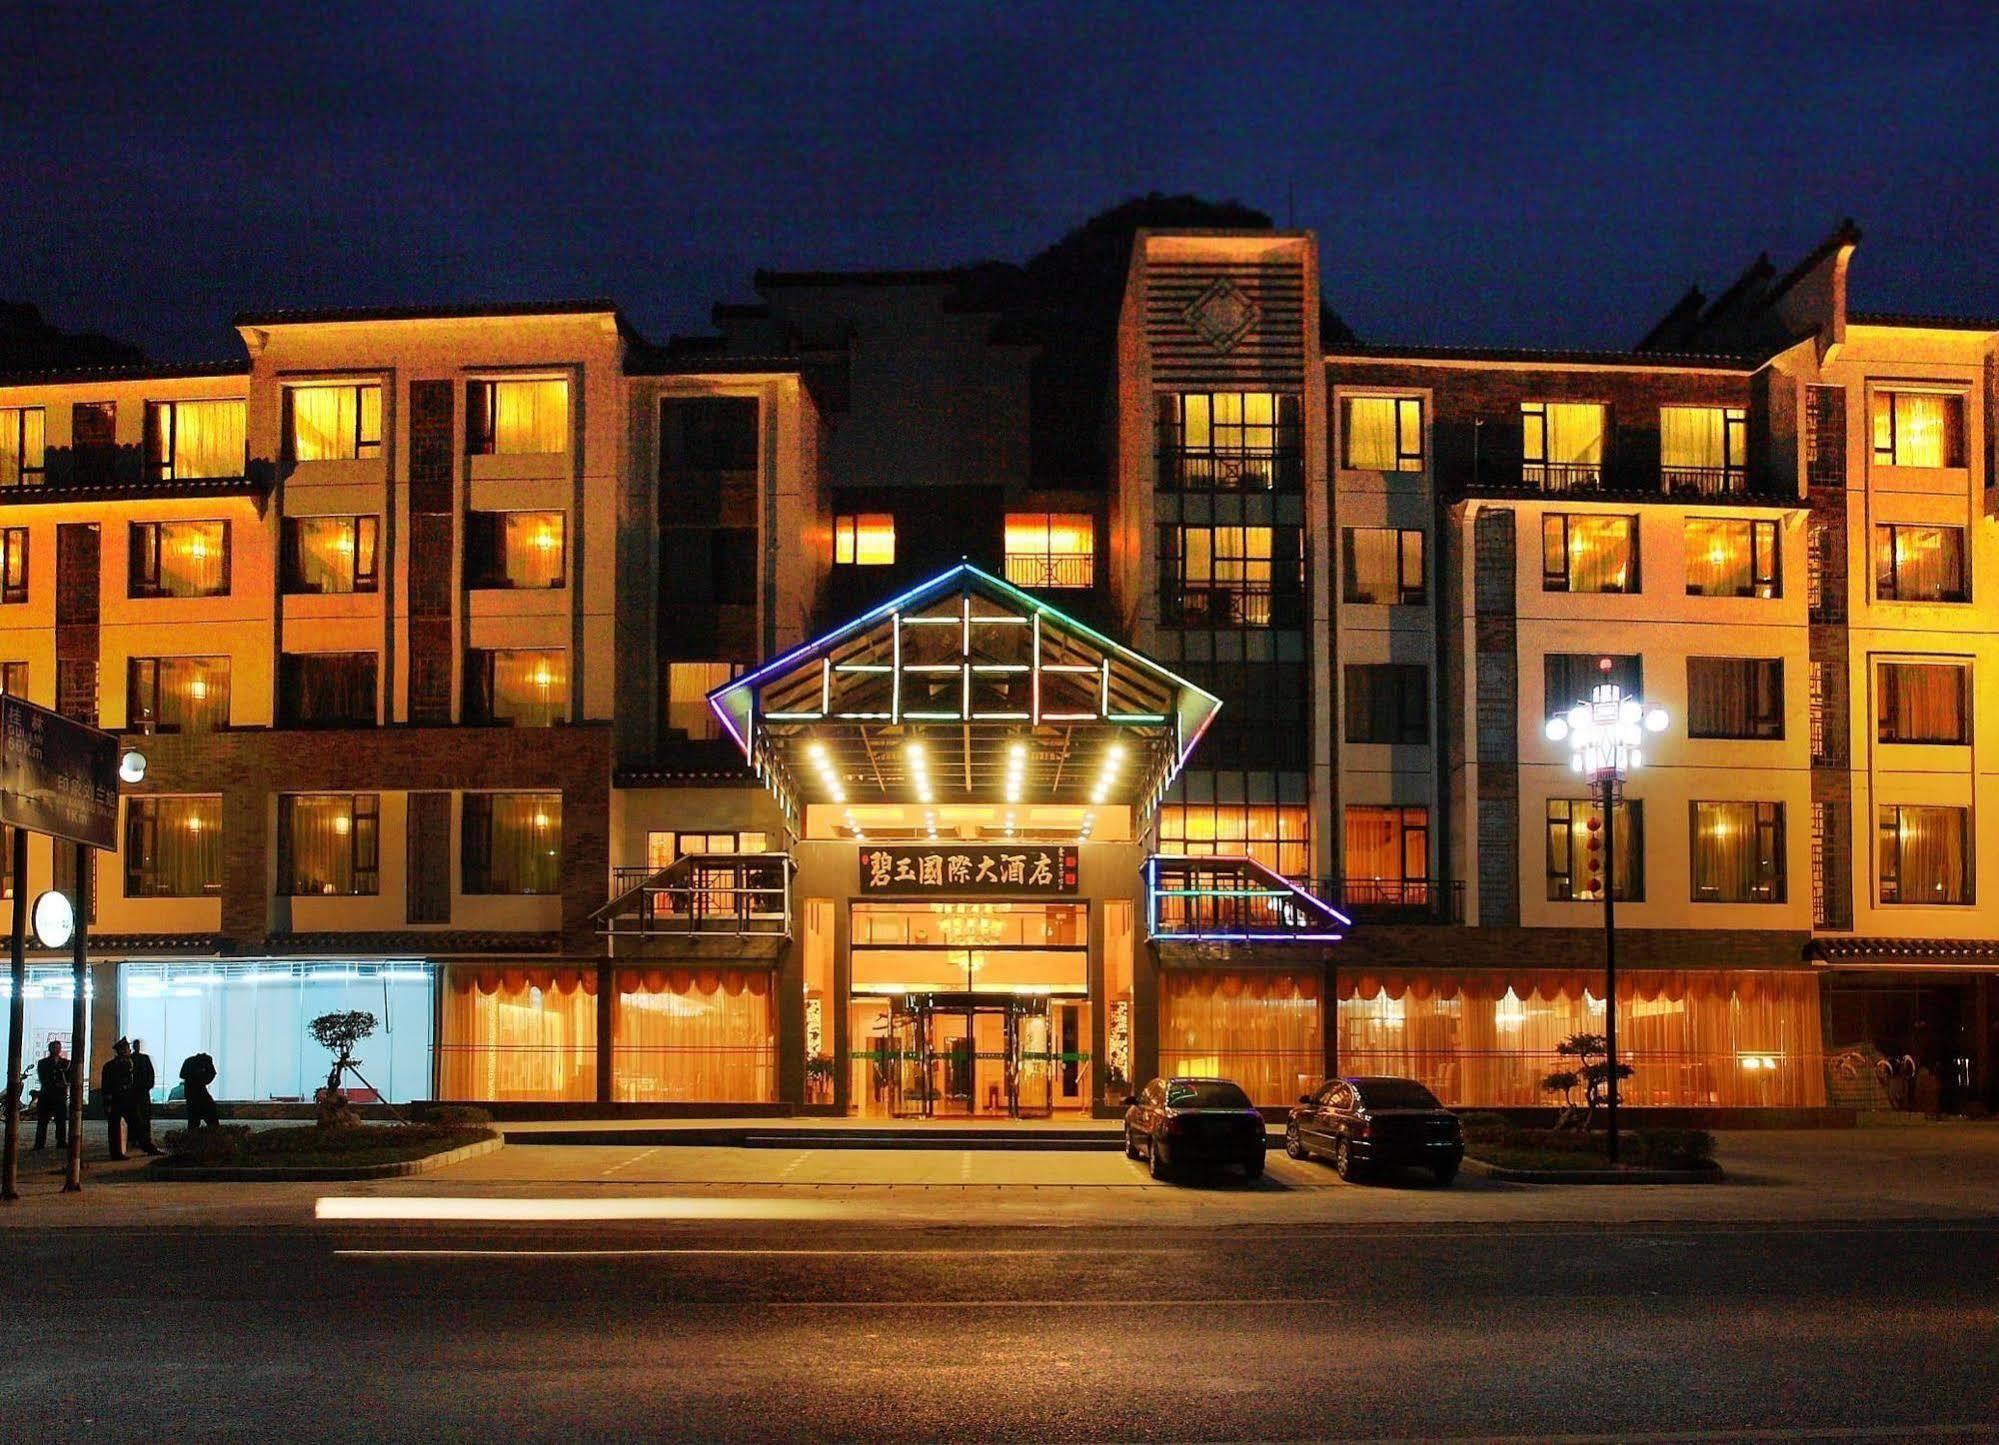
(519, 1033)
(1260, 1029)
(705, 1036)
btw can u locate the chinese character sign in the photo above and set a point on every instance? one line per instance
(1022, 870)
(57, 776)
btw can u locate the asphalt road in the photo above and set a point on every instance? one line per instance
(798, 1331)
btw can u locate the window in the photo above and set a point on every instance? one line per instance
(23, 446)
(1738, 852)
(1279, 836)
(514, 549)
(662, 847)
(1387, 702)
(13, 564)
(329, 844)
(179, 559)
(1051, 549)
(13, 679)
(518, 687)
(177, 694)
(1568, 678)
(1703, 448)
(1925, 855)
(1387, 856)
(1384, 433)
(1919, 564)
(1731, 558)
(687, 687)
(866, 539)
(1921, 702)
(1561, 445)
(707, 434)
(1918, 429)
(1735, 697)
(173, 847)
(327, 689)
(93, 442)
(1229, 441)
(1383, 565)
(191, 439)
(1589, 554)
(1231, 577)
(1575, 851)
(512, 843)
(330, 555)
(334, 423)
(516, 418)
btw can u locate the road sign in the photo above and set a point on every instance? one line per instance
(57, 776)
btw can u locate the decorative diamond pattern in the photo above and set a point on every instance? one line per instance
(1223, 314)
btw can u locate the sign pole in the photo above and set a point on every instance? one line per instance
(17, 973)
(79, 1027)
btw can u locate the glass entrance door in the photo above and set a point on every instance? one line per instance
(993, 1056)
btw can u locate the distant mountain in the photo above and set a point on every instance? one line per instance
(29, 343)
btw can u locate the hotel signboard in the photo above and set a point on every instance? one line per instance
(57, 776)
(974, 869)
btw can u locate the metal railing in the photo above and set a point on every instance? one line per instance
(1051, 569)
(1394, 900)
(1233, 604)
(1232, 899)
(1708, 481)
(703, 893)
(1248, 470)
(1562, 476)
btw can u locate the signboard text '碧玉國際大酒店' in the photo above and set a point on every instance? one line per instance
(975, 869)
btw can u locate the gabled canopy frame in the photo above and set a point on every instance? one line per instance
(965, 689)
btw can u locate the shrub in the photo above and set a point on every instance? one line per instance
(221, 1145)
(1674, 1148)
(1485, 1128)
(457, 1114)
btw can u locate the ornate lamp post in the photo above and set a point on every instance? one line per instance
(1604, 737)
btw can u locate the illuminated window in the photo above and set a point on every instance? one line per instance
(664, 847)
(1920, 564)
(1570, 833)
(179, 559)
(192, 439)
(516, 418)
(1229, 441)
(514, 549)
(1050, 549)
(1731, 558)
(1231, 576)
(329, 844)
(177, 694)
(687, 687)
(1703, 448)
(1735, 697)
(1922, 702)
(173, 847)
(327, 689)
(512, 843)
(1568, 678)
(1278, 836)
(517, 687)
(866, 539)
(1383, 565)
(325, 555)
(1387, 702)
(1738, 852)
(1589, 554)
(23, 446)
(1387, 856)
(1561, 444)
(1918, 429)
(13, 564)
(334, 423)
(1384, 433)
(13, 679)
(1925, 854)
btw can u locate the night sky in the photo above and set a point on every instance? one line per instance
(1531, 175)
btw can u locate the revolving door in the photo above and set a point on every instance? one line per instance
(970, 1055)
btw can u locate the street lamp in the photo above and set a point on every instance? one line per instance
(1604, 737)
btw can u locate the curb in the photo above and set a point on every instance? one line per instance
(160, 1170)
(1591, 1176)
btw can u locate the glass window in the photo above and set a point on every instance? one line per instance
(179, 559)
(1561, 444)
(1575, 850)
(173, 847)
(1922, 702)
(1278, 836)
(687, 1037)
(517, 418)
(687, 687)
(1738, 852)
(1727, 557)
(1918, 429)
(1383, 565)
(866, 539)
(1589, 554)
(1703, 448)
(23, 446)
(663, 847)
(93, 442)
(335, 423)
(1735, 697)
(1387, 702)
(177, 694)
(1925, 854)
(1232, 577)
(1229, 441)
(1568, 678)
(329, 844)
(1384, 433)
(13, 564)
(330, 555)
(514, 549)
(520, 687)
(512, 843)
(1919, 564)
(511, 1033)
(1259, 1028)
(1387, 855)
(327, 689)
(1050, 549)
(13, 679)
(191, 439)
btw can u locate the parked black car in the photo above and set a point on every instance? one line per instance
(1369, 1123)
(1186, 1122)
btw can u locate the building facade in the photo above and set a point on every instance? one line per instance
(944, 692)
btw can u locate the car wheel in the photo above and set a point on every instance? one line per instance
(1293, 1144)
(1343, 1161)
(1130, 1144)
(1252, 1168)
(1444, 1174)
(1155, 1160)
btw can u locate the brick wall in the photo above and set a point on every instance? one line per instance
(1496, 689)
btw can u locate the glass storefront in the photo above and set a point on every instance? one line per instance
(47, 1011)
(694, 1036)
(519, 1034)
(1259, 1027)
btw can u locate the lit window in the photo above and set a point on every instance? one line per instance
(1731, 558)
(1925, 855)
(179, 559)
(13, 679)
(1229, 441)
(330, 555)
(664, 847)
(173, 847)
(23, 446)
(512, 843)
(1703, 448)
(1573, 825)
(1919, 564)
(517, 418)
(1387, 702)
(1918, 429)
(1738, 852)
(1735, 697)
(327, 689)
(192, 439)
(177, 694)
(329, 844)
(1921, 702)
(866, 539)
(1231, 577)
(1387, 856)
(1589, 554)
(1050, 549)
(334, 423)
(1384, 433)
(687, 687)
(514, 550)
(1279, 836)
(517, 687)
(1561, 444)
(1383, 565)
(13, 564)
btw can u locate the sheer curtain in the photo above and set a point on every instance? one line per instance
(1692, 436)
(1599, 554)
(1921, 702)
(532, 543)
(22, 444)
(1374, 557)
(531, 687)
(513, 842)
(177, 847)
(686, 1036)
(519, 1033)
(194, 557)
(1913, 563)
(1925, 428)
(1726, 852)
(1718, 558)
(1260, 1029)
(1575, 432)
(1371, 433)
(324, 422)
(1930, 846)
(208, 439)
(319, 843)
(194, 693)
(530, 417)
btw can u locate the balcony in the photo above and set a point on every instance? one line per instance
(1234, 604)
(1249, 470)
(1395, 900)
(1046, 570)
(1562, 476)
(1704, 481)
(1232, 900)
(709, 895)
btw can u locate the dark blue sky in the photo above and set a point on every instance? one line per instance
(1476, 173)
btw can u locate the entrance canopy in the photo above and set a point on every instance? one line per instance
(965, 690)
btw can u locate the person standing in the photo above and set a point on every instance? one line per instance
(115, 1090)
(139, 1111)
(52, 1079)
(197, 1072)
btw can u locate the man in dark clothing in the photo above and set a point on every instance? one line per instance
(197, 1072)
(115, 1090)
(139, 1108)
(52, 1078)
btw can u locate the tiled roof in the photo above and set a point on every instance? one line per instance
(1658, 360)
(1924, 321)
(1914, 952)
(304, 316)
(415, 942)
(141, 371)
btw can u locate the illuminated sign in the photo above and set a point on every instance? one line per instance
(1018, 870)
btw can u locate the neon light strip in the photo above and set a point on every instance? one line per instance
(793, 716)
(932, 717)
(1138, 717)
(1251, 937)
(1035, 703)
